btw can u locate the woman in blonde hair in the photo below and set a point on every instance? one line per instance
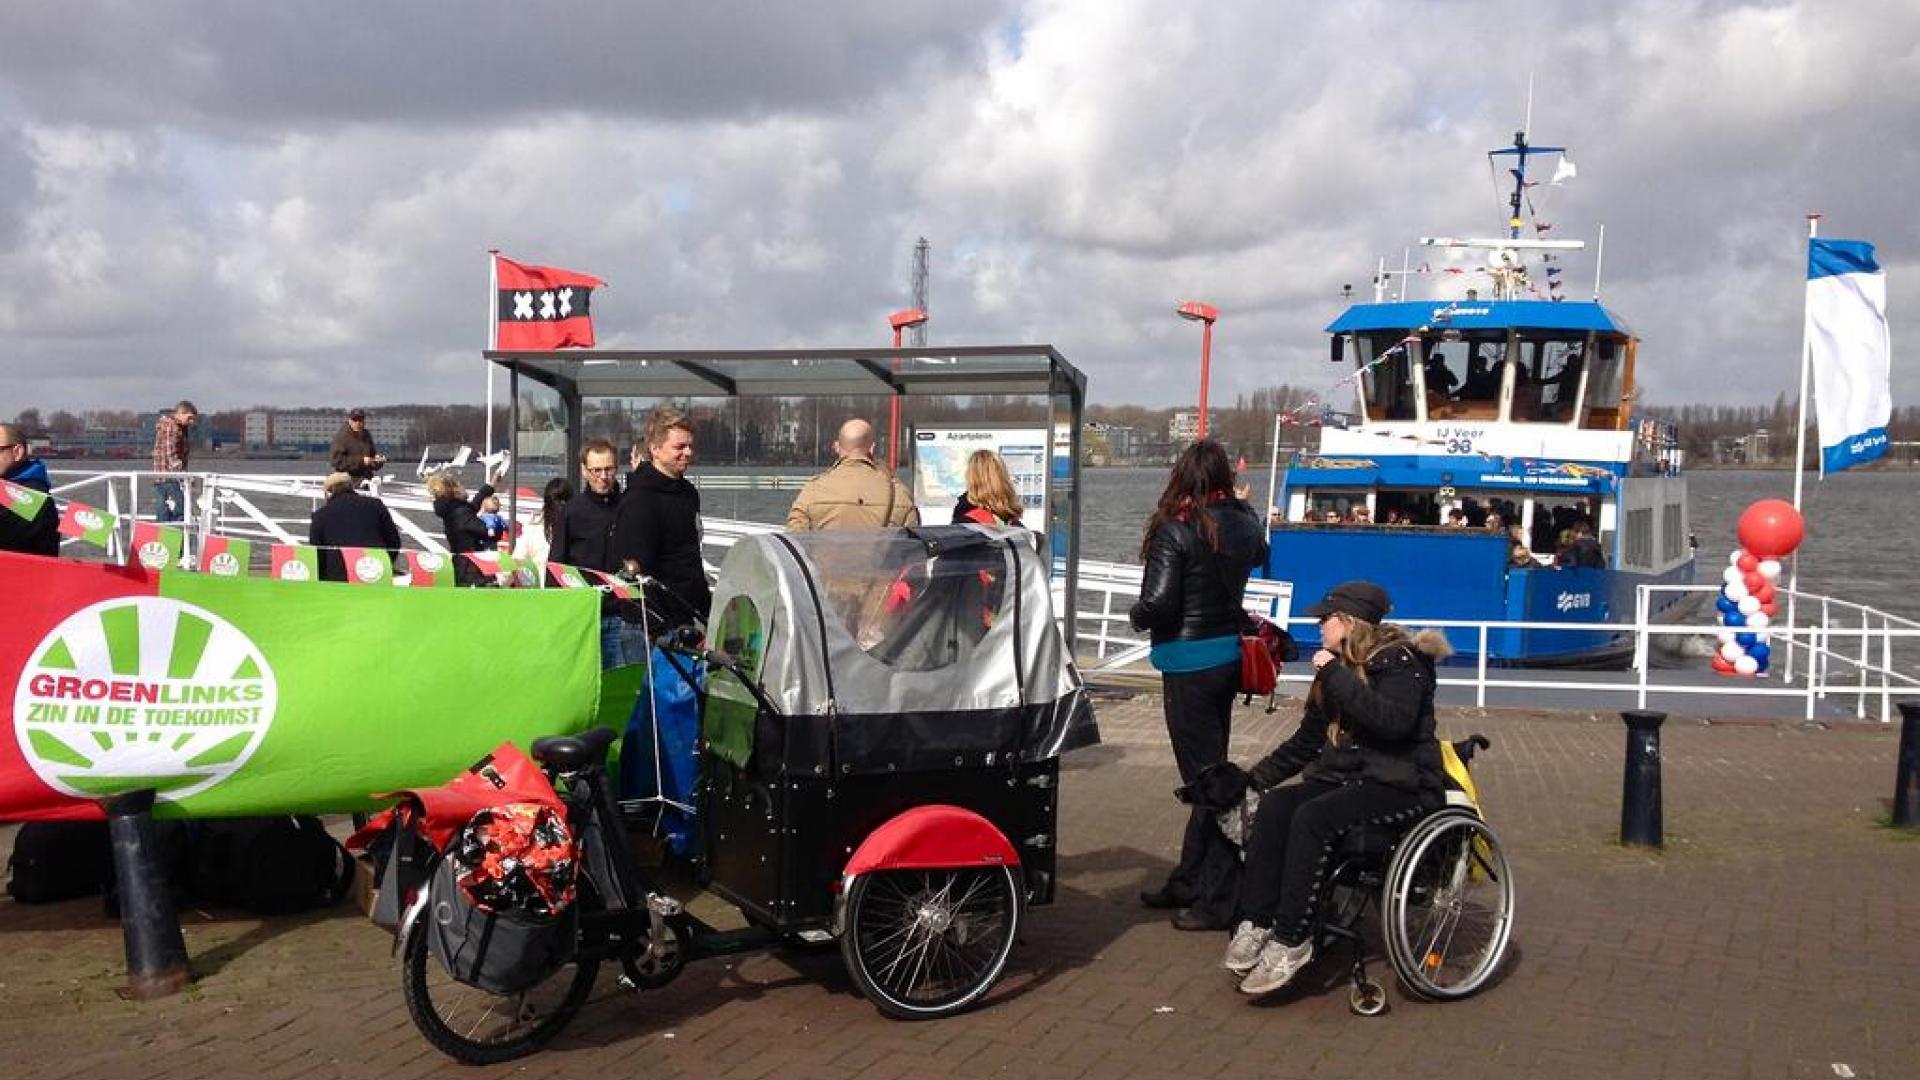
(1365, 754)
(990, 498)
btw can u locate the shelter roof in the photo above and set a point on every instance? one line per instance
(949, 370)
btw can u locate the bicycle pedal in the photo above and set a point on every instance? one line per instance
(664, 906)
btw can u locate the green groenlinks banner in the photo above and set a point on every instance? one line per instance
(237, 696)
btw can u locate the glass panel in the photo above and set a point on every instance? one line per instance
(1546, 379)
(1387, 386)
(1607, 370)
(1463, 373)
(730, 707)
(540, 442)
(907, 609)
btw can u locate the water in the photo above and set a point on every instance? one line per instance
(1853, 520)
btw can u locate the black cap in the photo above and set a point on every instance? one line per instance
(357, 414)
(1361, 599)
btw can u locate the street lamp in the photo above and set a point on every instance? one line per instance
(1196, 311)
(900, 321)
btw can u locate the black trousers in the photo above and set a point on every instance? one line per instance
(1290, 851)
(1199, 711)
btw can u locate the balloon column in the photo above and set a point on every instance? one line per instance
(1769, 531)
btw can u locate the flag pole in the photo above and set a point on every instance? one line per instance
(1799, 458)
(493, 334)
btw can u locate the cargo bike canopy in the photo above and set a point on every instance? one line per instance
(892, 650)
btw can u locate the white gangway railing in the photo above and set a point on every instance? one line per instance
(1848, 650)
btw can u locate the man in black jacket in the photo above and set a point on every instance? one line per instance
(349, 519)
(353, 451)
(584, 537)
(657, 529)
(39, 535)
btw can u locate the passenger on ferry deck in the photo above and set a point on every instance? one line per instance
(1582, 550)
(1456, 518)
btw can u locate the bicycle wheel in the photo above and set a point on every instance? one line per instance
(1447, 909)
(923, 944)
(475, 1027)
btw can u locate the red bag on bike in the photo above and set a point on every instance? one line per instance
(1262, 651)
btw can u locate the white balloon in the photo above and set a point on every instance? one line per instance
(1758, 620)
(1748, 606)
(1732, 574)
(1746, 665)
(1732, 651)
(1726, 635)
(1737, 591)
(1770, 569)
(1734, 559)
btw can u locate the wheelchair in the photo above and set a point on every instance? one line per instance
(1444, 893)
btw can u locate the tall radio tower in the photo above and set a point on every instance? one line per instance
(918, 334)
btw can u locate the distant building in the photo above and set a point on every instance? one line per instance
(1759, 447)
(313, 431)
(1184, 427)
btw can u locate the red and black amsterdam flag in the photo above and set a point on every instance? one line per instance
(542, 307)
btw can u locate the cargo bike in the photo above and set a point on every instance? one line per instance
(878, 758)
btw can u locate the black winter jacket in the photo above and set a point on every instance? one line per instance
(658, 526)
(466, 533)
(350, 519)
(1385, 722)
(41, 536)
(1189, 591)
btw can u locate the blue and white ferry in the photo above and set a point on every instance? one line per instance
(1496, 400)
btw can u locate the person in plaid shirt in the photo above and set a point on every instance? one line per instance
(171, 447)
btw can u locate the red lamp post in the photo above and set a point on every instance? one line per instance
(899, 320)
(1196, 311)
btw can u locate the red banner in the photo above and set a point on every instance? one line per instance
(542, 307)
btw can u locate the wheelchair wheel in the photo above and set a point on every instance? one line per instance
(1447, 906)
(475, 1027)
(923, 944)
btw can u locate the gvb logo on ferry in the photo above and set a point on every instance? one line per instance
(1574, 601)
(141, 692)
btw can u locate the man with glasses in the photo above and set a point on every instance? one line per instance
(584, 537)
(39, 535)
(172, 445)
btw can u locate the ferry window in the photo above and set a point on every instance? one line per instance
(1607, 371)
(1388, 386)
(1335, 507)
(1553, 524)
(1463, 374)
(1406, 508)
(1546, 379)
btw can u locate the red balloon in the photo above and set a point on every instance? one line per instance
(1765, 593)
(1754, 581)
(1722, 665)
(1771, 529)
(1770, 607)
(1747, 564)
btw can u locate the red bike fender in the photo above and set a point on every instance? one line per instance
(934, 837)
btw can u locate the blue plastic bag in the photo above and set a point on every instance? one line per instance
(673, 772)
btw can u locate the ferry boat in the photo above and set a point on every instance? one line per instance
(1495, 397)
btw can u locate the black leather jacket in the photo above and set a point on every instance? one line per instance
(1385, 723)
(1190, 591)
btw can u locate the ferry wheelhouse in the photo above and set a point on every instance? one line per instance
(1490, 426)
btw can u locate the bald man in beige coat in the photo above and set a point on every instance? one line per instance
(857, 493)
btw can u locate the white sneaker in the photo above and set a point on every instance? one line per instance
(1279, 963)
(1243, 952)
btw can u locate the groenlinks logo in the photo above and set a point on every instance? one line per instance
(223, 565)
(368, 569)
(89, 520)
(142, 692)
(154, 555)
(295, 570)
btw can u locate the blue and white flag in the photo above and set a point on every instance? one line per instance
(1847, 345)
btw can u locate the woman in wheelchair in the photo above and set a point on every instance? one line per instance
(1366, 756)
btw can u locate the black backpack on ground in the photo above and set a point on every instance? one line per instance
(270, 865)
(59, 860)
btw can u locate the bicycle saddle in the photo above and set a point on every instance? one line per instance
(574, 751)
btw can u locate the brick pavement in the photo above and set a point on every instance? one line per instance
(1774, 937)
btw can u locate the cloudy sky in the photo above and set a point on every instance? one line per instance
(288, 203)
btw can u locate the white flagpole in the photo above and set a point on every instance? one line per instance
(1799, 455)
(493, 333)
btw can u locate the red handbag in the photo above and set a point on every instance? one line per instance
(1262, 651)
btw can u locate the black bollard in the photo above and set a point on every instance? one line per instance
(1640, 823)
(1906, 782)
(156, 952)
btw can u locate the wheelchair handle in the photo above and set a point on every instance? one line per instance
(1465, 747)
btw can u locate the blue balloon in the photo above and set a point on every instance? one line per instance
(1725, 605)
(1735, 618)
(1747, 641)
(1760, 652)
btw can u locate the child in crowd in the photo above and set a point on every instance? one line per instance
(493, 519)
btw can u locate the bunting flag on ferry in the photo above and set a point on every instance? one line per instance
(1849, 351)
(367, 566)
(223, 556)
(24, 501)
(83, 522)
(567, 577)
(541, 307)
(157, 547)
(296, 562)
(429, 570)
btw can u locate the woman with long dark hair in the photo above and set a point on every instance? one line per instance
(1201, 544)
